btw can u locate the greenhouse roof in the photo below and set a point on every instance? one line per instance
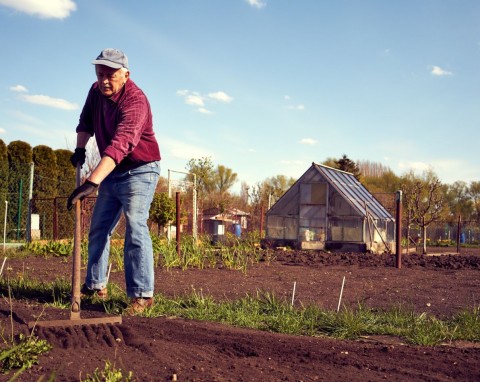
(354, 192)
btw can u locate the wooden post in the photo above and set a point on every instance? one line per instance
(177, 234)
(459, 228)
(261, 222)
(398, 221)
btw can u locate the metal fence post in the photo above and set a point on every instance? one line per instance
(28, 234)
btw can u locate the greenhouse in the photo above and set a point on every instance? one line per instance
(328, 208)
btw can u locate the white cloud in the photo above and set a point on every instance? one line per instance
(203, 110)
(220, 96)
(308, 141)
(2, 130)
(18, 88)
(51, 9)
(438, 71)
(257, 3)
(45, 100)
(287, 98)
(196, 99)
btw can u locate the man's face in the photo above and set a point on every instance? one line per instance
(110, 80)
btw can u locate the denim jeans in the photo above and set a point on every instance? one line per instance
(130, 192)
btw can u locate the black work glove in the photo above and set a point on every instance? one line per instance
(81, 192)
(78, 157)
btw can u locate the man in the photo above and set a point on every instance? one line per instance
(118, 114)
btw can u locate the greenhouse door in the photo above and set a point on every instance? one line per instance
(312, 215)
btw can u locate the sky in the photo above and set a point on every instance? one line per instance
(264, 87)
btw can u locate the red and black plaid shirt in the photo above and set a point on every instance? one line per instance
(122, 125)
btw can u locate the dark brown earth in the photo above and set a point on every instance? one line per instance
(168, 348)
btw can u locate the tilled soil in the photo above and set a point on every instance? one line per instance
(169, 348)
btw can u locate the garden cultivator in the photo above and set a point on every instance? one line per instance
(75, 318)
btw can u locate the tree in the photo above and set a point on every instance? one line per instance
(162, 209)
(65, 173)
(4, 174)
(225, 178)
(372, 169)
(267, 192)
(45, 172)
(474, 193)
(386, 182)
(409, 185)
(66, 181)
(425, 201)
(343, 164)
(19, 160)
(203, 169)
(348, 165)
(459, 200)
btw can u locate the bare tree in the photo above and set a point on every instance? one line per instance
(410, 186)
(429, 203)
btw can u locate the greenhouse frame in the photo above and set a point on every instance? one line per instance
(330, 209)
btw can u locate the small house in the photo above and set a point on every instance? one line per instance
(328, 208)
(217, 223)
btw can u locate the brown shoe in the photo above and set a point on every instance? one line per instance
(87, 292)
(138, 305)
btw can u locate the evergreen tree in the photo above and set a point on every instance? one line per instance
(4, 173)
(348, 165)
(45, 172)
(65, 185)
(65, 173)
(19, 158)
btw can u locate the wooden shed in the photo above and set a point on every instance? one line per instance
(328, 208)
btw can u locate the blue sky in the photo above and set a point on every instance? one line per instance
(265, 87)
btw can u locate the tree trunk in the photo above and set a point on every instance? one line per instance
(424, 238)
(408, 238)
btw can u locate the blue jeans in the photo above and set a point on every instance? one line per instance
(131, 192)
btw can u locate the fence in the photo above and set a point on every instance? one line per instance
(447, 232)
(26, 218)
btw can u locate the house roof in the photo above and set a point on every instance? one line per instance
(354, 192)
(228, 215)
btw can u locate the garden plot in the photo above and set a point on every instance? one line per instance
(169, 347)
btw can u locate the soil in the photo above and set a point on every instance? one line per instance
(170, 348)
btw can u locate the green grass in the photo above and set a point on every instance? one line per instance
(232, 253)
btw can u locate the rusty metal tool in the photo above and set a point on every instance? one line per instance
(75, 318)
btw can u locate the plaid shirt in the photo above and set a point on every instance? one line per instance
(122, 125)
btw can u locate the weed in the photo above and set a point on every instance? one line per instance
(23, 354)
(109, 374)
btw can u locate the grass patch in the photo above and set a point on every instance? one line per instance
(233, 252)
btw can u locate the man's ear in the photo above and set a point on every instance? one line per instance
(127, 75)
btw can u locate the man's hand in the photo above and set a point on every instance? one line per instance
(81, 192)
(78, 157)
